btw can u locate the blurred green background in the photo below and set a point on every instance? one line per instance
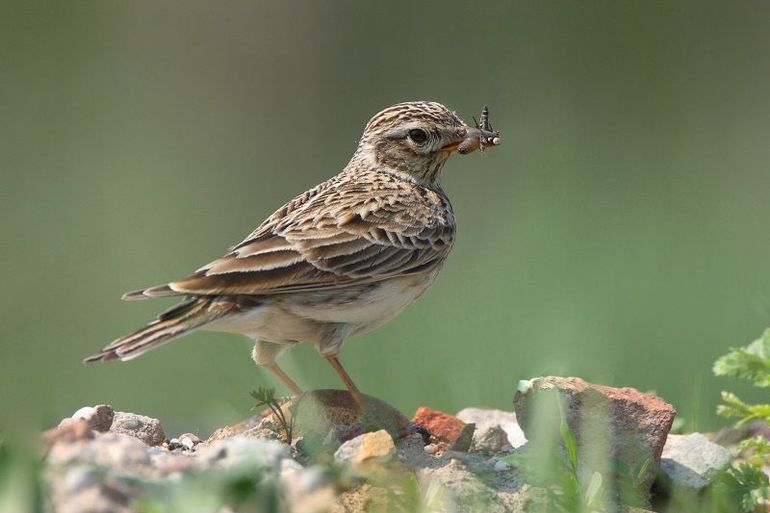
(620, 233)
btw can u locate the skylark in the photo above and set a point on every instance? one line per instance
(340, 259)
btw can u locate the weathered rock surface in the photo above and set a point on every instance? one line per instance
(146, 429)
(630, 425)
(692, 461)
(341, 461)
(377, 446)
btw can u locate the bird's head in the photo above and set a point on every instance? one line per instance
(414, 139)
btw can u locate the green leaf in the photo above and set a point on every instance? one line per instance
(752, 486)
(568, 439)
(592, 493)
(734, 407)
(751, 362)
(758, 449)
(264, 395)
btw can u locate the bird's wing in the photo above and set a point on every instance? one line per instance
(344, 232)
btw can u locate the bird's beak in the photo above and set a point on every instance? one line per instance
(471, 139)
(452, 146)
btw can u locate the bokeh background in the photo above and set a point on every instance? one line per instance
(620, 233)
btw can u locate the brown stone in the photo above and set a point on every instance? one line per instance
(329, 415)
(445, 428)
(629, 425)
(146, 429)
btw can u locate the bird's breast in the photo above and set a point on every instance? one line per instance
(365, 307)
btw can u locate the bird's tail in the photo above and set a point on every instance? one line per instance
(173, 323)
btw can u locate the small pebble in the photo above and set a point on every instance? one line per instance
(431, 448)
(501, 466)
(85, 413)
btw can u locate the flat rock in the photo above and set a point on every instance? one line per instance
(376, 446)
(146, 429)
(446, 428)
(631, 425)
(692, 461)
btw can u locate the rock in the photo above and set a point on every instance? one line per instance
(446, 428)
(307, 490)
(470, 482)
(96, 475)
(243, 453)
(68, 431)
(501, 466)
(692, 461)
(186, 442)
(245, 427)
(99, 417)
(146, 429)
(491, 441)
(321, 421)
(377, 446)
(325, 419)
(109, 450)
(628, 424)
(486, 418)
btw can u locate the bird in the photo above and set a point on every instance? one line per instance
(336, 261)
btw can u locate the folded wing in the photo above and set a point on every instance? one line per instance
(341, 233)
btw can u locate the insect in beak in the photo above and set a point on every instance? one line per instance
(478, 137)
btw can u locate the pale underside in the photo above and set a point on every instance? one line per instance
(325, 318)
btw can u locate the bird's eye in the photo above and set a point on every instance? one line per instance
(418, 135)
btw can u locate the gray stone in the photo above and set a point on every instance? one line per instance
(692, 461)
(486, 418)
(146, 429)
(491, 440)
(186, 442)
(243, 453)
(96, 475)
(110, 450)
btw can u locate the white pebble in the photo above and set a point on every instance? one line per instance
(85, 413)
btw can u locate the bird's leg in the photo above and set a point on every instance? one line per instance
(275, 369)
(358, 397)
(264, 355)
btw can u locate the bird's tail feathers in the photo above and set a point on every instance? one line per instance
(150, 292)
(178, 320)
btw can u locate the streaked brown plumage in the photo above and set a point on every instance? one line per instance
(340, 259)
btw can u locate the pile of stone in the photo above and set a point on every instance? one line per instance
(325, 455)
